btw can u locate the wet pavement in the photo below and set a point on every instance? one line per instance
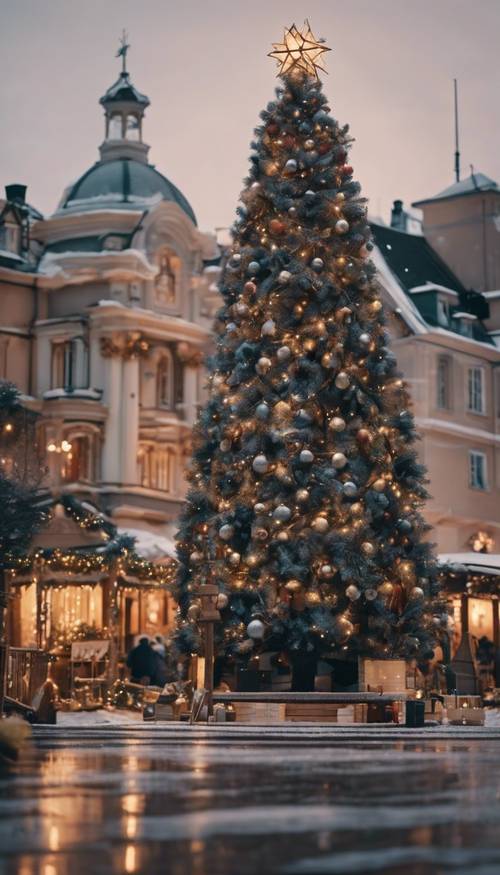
(196, 802)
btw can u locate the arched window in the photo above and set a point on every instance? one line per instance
(166, 278)
(164, 382)
(79, 457)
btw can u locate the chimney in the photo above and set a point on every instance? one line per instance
(398, 216)
(16, 193)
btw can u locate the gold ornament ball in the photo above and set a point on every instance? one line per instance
(327, 360)
(320, 525)
(312, 598)
(342, 629)
(357, 508)
(339, 460)
(386, 588)
(379, 485)
(263, 365)
(302, 495)
(337, 423)
(376, 306)
(282, 536)
(309, 344)
(293, 586)
(368, 548)
(298, 310)
(342, 380)
(326, 570)
(234, 559)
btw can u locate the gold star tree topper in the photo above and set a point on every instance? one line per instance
(299, 52)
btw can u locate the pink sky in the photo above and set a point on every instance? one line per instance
(204, 67)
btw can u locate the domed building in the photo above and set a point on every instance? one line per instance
(111, 301)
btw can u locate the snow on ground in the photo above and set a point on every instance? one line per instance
(117, 717)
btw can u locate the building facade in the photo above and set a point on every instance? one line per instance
(106, 309)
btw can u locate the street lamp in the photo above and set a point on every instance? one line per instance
(208, 594)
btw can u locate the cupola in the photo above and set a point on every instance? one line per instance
(124, 108)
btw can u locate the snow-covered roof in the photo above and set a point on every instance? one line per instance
(485, 563)
(474, 183)
(150, 545)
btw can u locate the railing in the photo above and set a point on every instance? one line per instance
(26, 672)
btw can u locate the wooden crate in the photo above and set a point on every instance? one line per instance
(311, 713)
(387, 675)
(259, 712)
(466, 716)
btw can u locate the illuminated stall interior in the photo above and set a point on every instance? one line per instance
(83, 580)
(472, 582)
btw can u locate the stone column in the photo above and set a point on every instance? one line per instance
(112, 397)
(129, 420)
(191, 358)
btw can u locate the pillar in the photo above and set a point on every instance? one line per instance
(129, 420)
(112, 438)
(190, 387)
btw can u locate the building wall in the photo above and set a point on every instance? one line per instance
(465, 232)
(456, 509)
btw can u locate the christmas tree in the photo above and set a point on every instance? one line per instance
(304, 506)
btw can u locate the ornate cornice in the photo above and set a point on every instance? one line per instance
(131, 344)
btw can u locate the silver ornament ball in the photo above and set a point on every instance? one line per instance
(282, 513)
(260, 464)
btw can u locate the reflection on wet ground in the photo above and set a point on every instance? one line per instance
(137, 804)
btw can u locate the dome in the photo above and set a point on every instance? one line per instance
(122, 184)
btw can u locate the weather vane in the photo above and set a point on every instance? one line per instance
(299, 52)
(122, 51)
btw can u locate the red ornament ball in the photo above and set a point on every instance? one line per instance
(323, 148)
(277, 227)
(347, 170)
(363, 436)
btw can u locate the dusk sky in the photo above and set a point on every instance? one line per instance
(204, 67)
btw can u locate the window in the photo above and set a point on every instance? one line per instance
(443, 383)
(164, 383)
(477, 470)
(78, 461)
(69, 364)
(115, 127)
(132, 130)
(62, 365)
(156, 467)
(10, 237)
(476, 395)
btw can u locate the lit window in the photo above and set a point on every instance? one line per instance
(477, 470)
(476, 398)
(78, 461)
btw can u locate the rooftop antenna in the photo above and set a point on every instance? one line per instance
(457, 149)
